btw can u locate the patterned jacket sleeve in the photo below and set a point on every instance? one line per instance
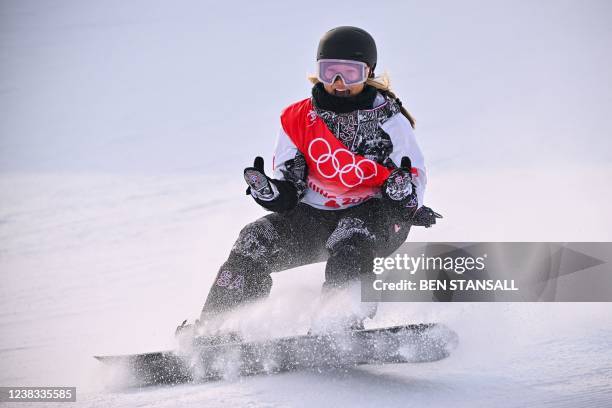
(288, 163)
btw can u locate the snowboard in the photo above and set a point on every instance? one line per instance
(206, 361)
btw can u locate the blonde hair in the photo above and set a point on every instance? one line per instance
(383, 84)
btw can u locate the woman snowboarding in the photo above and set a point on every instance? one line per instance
(348, 183)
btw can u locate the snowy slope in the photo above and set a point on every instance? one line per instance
(103, 265)
(124, 129)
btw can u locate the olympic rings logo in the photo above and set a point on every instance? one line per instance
(340, 162)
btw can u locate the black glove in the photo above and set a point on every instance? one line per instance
(399, 189)
(425, 217)
(273, 195)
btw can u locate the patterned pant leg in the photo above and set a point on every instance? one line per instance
(245, 275)
(365, 232)
(272, 243)
(351, 249)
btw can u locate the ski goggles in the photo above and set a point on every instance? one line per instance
(351, 72)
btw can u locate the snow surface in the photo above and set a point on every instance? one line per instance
(124, 127)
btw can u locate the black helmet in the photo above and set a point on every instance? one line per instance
(350, 43)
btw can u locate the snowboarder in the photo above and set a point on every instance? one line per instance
(348, 183)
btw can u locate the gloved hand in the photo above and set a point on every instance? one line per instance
(259, 184)
(273, 195)
(425, 217)
(398, 188)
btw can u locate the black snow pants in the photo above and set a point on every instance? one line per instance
(347, 239)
